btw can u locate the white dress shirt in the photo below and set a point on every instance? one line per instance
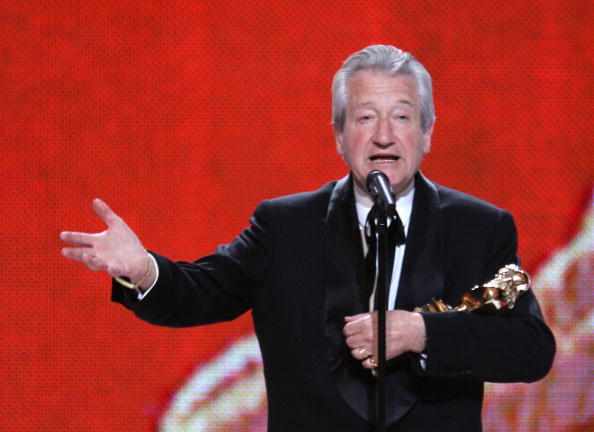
(363, 203)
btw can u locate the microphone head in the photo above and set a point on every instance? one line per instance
(375, 177)
(379, 187)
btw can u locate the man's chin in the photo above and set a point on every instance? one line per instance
(401, 186)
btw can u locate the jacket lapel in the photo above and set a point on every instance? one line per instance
(422, 269)
(345, 294)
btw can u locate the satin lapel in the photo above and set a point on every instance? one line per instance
(422, 269)
(345, 294)
(421, 279)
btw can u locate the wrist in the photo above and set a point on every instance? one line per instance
(141, 281)
(148, 279)
(419, 342)
(137, 266)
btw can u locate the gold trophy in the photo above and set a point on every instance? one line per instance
(499, 293)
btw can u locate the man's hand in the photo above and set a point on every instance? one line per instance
(116, 250)
(405, 331)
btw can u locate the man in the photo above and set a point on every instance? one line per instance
(300, 267)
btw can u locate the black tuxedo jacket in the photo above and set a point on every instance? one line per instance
(299, 269)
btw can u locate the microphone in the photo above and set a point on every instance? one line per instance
(379, 187)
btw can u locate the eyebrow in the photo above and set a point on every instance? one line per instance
(366, 104)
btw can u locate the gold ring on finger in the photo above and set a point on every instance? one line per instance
(363, 352)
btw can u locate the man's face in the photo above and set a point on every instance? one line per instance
(382, 129)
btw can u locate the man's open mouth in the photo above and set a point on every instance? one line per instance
(384, 158)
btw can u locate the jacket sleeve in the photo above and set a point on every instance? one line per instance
(218, 287)
(510, 346)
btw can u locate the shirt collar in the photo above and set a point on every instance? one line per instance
(363, 204)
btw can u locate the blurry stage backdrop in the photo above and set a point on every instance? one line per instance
(184, 115)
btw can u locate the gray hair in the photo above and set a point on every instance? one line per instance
(391, 60)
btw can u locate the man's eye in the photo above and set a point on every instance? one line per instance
(364, 118)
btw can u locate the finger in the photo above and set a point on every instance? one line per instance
(351, 329)
(89, 260)
(360, 353)
(355, 317)
(76, 254)
(369, 363)
(77, 238)
(357, 325)
(356, 341)
(360, 340)
(106, 214)
(85, 256)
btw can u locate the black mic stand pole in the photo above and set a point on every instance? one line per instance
(381, 301)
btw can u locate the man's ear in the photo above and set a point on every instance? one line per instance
(338, 137)
(427, 139)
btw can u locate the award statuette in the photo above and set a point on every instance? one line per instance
(499, 293)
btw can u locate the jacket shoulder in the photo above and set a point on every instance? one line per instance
(303, 201)
(453, 201)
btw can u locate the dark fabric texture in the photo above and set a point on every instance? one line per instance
(300, 269)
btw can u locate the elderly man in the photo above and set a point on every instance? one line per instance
(301, 268)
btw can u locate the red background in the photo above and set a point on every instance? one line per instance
(184, 115)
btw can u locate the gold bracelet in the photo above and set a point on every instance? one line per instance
(136, 286)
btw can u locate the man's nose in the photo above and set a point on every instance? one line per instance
(384, 134)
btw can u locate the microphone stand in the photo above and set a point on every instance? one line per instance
(379, 187)
(381, 300)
